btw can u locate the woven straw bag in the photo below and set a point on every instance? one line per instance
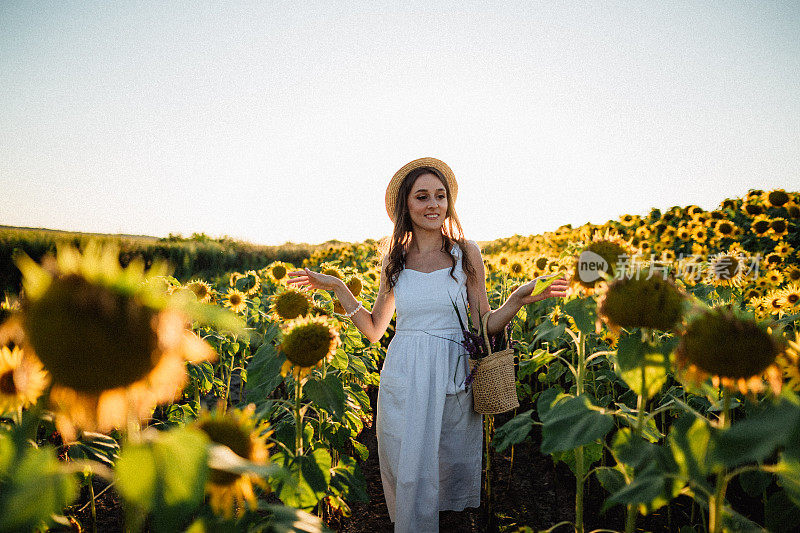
(494, 387)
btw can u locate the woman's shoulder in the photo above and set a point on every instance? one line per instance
(471, 248)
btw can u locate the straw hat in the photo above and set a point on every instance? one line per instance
(400, 175)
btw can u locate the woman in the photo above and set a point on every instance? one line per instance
(429, 437)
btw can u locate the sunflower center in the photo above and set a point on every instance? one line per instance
(723, 345)
(725, 229)
(754, 209)
(779, 226)
(91, 338)
(7, 385)
(778, 198)
(793, 298)
(761, 226)
(229, 434)
(725, 267)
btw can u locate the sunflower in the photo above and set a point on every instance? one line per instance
(628, 220)
(699, 249)
(114, 345)
(641, 303)
(516, 268)
(22, 379)
(754, 195)
(278, 271)
(683, 233)
(307, 342)
(730, 203)
(503, 260)
(694, 210)
(751, 293)
(249, 283)
(778, 228)
(290, 304)
(725, 269)
(793, 274)
(789, 363)
(752, 209)
(610, 338)
(699, 233)
(760, 225)
(783, 249)
(774, 277)
(201, 289)
(793, 209)
(724, 228)
(774, 302)
(611, 248)
(541, 263)
(777, 198)
(236, 429)
(235, 301)
(355, 285)
(735, 352)
(332, 271)
(773, 260)
(791, 293)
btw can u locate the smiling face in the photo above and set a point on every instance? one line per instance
(427, 202)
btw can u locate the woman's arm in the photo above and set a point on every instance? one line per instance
(373, 325)
(500, 317)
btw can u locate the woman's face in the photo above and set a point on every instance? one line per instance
(427, 202)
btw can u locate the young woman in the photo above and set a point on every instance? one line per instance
(429, 437)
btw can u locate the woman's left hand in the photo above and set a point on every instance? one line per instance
(558, 289)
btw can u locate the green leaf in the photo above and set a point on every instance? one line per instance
(529, 365)
(513, 432)
(340, 360)
(649, 429)
(36, 489)
(287, 519)
(310, 476)
(610, 478)
(573, 422)
(327, 393)
(754, 483)
(789, 476)
(165, 474)
(542, 282)
(264, 371)
(689, 440)
(756, 437)
(592, 453)
(781, 514)
(347, 480)
(584, 312)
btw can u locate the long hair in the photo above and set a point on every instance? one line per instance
(397, 246)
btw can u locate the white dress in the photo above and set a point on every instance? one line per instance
(429, 437)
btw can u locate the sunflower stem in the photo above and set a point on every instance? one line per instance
(579, 474)
(715, 505)
(93, 509)
(298, 416)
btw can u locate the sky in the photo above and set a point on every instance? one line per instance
(279, 122)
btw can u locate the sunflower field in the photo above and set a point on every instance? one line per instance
(662, 393)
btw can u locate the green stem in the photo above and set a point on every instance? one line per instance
(298, 417)
(715, 505)
(93, 509)
(581, 346)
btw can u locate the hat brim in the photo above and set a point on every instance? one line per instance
(429, 162)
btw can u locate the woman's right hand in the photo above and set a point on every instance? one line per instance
(315, 280)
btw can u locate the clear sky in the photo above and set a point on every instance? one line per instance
(284, 121)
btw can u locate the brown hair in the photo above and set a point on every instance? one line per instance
(397, 245)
